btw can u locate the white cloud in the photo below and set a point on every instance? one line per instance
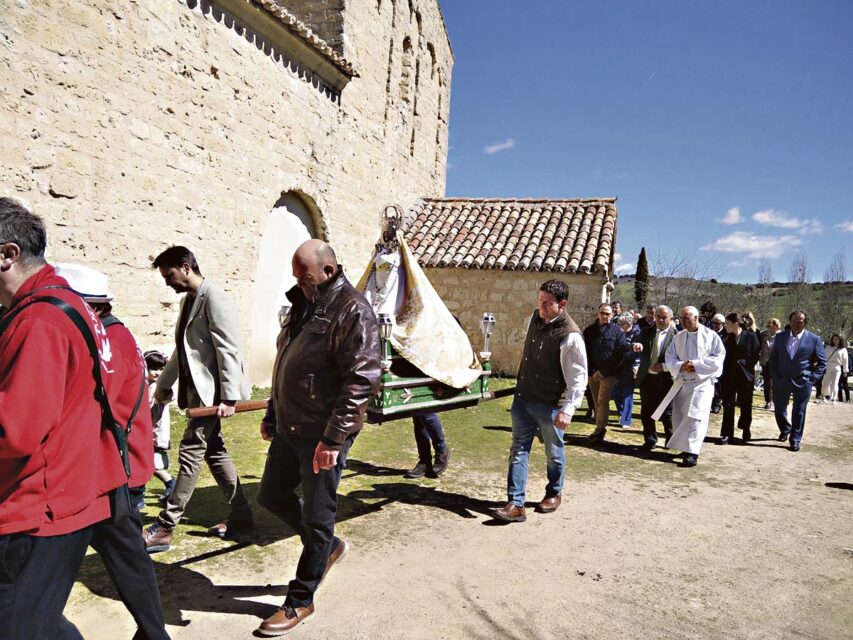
(781, 220)
(732, 216)
(625, 267)
(509, 143)
(847, 226)
(753, 245)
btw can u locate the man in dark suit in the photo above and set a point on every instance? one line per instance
(652, 378)
(796, 362)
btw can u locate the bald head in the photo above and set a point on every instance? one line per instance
(313, 264)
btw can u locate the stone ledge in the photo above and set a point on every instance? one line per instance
(285, 32)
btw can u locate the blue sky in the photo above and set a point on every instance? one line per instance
(724, 128)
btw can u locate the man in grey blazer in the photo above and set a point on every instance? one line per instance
(209, 369)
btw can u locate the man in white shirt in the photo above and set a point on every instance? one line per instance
(552, 377)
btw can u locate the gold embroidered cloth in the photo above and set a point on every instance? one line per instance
(425, 333)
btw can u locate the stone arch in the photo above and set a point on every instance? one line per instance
(293, 219)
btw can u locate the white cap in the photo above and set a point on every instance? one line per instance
(91, 284)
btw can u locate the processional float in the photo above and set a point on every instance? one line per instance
(428, 363)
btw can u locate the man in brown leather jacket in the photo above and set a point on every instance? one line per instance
(325, 371)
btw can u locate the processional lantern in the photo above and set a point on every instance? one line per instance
(385, 327)
(487, 325)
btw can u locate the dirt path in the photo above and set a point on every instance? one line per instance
(756, 542)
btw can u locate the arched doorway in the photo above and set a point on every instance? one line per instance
(293, 220)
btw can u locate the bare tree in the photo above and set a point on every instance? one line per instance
(680, 280)
(799, 289)
(833, 315)
(765, 273)
(761, 297)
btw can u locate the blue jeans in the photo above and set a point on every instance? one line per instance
(428, 429)
(527, 419)
(623, 398)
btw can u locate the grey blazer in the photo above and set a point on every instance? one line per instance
(212, 346)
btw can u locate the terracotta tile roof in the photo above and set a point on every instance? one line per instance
(296, 26)
(569, 236)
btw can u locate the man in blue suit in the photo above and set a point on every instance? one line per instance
(797, 361)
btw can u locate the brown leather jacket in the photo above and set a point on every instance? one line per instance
(327, 365)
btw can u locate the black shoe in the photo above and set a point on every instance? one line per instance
(440, 464)
(690, 460)
(716, 408)
(418, 471)
(723, 440)
(648, 445)
(746, 435)
(784, 436)
(795, 446)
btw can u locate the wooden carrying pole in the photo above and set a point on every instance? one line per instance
(239, 407)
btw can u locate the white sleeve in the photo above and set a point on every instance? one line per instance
(573, 362)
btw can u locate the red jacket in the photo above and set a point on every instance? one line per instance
(128, 376)
(57, 465)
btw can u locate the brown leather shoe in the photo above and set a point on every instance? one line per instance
(510, 513)
(549, 505)
(228, 527)
(284, 620)
(336, 555)
(157, 538)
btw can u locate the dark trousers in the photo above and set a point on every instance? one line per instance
(736, 393)
(782, 390)
(653, 389)
(289, 464)
(428, 430)
(36, 576)
(768, 383)
(843, 388)
(120, 545)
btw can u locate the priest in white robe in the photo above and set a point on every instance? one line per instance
(694, 358)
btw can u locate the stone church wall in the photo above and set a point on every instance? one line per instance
(133, 125)
(512, 297)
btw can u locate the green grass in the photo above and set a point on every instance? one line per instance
(479, 439)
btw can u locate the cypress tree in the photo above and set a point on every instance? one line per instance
(641, 280)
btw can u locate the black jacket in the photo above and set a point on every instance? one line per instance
(606, 345)
(741, 357)
(327, 365)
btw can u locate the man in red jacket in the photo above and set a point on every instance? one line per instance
(58, 465)
(117, 540)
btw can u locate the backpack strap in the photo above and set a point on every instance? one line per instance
(107, 420)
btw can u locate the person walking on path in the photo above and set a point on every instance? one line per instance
(797, 361)
(551, 381)
(694, 359)
(836, 364)
(767, 338)
(326, 370)
(208, 366)
(606, 345)
(737, 383)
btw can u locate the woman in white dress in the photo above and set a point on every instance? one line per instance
(836, 357)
